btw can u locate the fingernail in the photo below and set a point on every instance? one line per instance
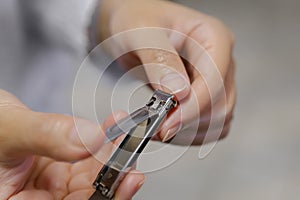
(140, 184)
(171, 132)
(87, 134)
(174, 82)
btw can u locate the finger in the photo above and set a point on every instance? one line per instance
(57, 136)
(82, 180)
(210, 60)
(80, 194)
(32, 194)
(132, 182)
(113, 118)
(211, 45)
(163, 66)
(54, 179)
(223, 113)
(7, 99)
(222, 103)
(134, 179)
(104, 153)
(198, 138)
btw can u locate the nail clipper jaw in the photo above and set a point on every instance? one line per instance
(161, 101)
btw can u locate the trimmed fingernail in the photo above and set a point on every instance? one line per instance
(140, 184)
(86, 133)
(174, 82)
(171, 132)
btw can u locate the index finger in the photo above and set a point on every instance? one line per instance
(163, 66)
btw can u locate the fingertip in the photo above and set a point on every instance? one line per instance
(113, 118)
(172, 125)
(176, 84)
(165, 69)
(132, 182)
(86, 135)
(170, 133)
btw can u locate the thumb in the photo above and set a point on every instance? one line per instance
(24, 132)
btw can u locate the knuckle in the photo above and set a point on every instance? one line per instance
(214, 23)
(52, 125)
(160, 56)
(55, 123)
(217, 27)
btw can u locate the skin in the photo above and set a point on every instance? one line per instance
(38, 154)
(194, 97)
(38, 150)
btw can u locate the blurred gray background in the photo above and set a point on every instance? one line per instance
(260, 157)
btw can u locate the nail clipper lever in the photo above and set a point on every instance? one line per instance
(139, 127)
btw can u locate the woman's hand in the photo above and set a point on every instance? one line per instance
(38, 153)
(203, 80)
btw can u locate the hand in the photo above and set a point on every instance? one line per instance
(38, 150)
(167, 71)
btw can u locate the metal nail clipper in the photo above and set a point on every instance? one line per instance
(139, 127)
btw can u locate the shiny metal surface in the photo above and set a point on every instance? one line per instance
(148, 120)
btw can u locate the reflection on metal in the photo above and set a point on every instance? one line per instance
(139, 127)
